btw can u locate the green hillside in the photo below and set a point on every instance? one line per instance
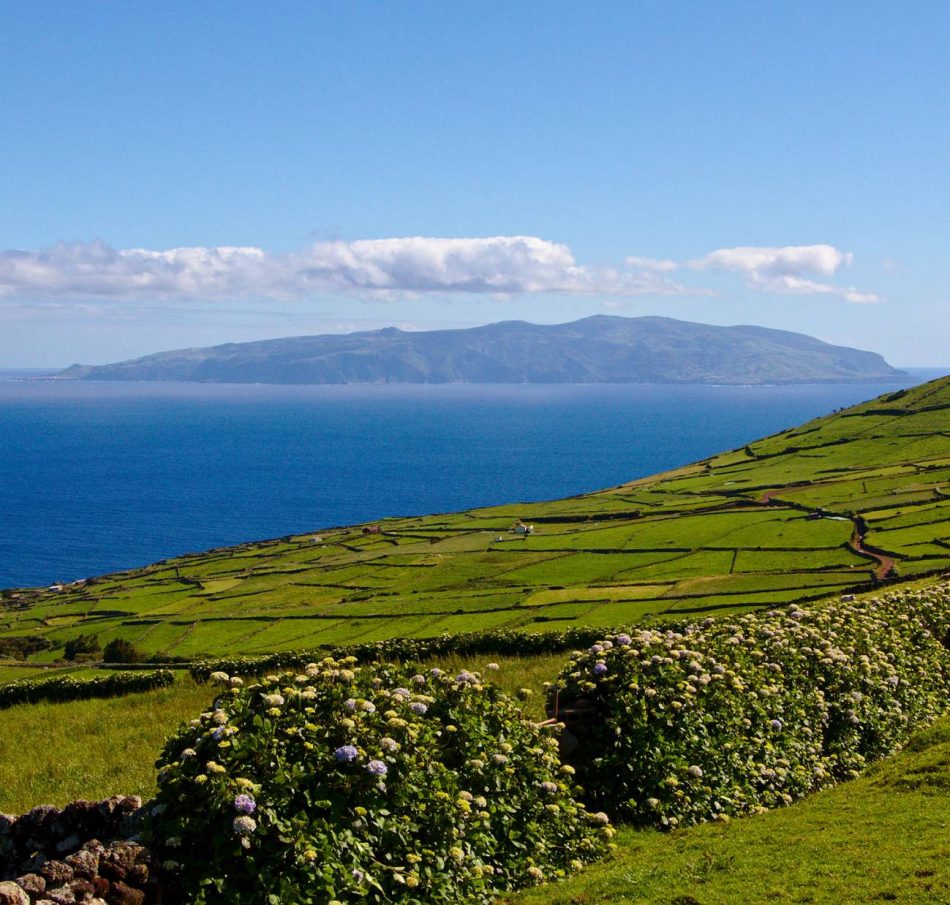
(881, 838)
(833, 506)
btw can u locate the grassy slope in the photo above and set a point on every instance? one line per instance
(97, 748)
(723, 534)
(883, 837)
(55, 753)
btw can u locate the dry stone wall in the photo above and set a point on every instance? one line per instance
(83, 853)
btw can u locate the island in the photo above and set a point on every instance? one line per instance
(598, 349)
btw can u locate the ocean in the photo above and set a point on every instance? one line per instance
(96, 477)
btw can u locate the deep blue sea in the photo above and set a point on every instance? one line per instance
(96, 477)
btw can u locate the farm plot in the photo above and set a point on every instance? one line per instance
(777, 521)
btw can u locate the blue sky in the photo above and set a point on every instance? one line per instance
(178, 174)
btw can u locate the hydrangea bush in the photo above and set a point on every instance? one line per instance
(735, 716)
(366, 784)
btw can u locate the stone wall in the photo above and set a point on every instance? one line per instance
(84, 853)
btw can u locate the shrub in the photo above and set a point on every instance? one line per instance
(735, 716)
(80, 647)
(366, 784)
(66, 688)
(23, 646)
(118, 650)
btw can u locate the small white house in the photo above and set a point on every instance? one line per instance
(522, 528)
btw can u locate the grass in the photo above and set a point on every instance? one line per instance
(882, 837)
(97, 748)
(55, 753)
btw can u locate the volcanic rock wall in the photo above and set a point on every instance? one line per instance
(84, 853)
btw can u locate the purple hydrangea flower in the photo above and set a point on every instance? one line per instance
(599, 669)
(346, 753)
(377, 768)
(776, 725)
(418, 707)
(244, 804)
(624, 640)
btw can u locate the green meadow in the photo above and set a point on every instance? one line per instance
(833, 506)
(883, 837)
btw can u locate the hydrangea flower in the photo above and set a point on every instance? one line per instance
(244, 804)
(244, 825)
(346, 753)
(377, 768)
(418, 707)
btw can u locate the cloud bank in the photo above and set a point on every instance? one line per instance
(788, 270)
(501, 264)
(385, 268)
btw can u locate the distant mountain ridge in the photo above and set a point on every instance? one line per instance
(598, 349)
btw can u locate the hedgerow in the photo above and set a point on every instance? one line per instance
(490, 641)
(366, 784)
(66, 688)
(735, 716)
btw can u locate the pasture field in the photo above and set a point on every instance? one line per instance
(881, 837)
(830, 507)
(821, 849)
(96, 748)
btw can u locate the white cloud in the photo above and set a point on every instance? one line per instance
(768, 263)
(500, 266)
(653, 264)
(381, 267)
(784, 270)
